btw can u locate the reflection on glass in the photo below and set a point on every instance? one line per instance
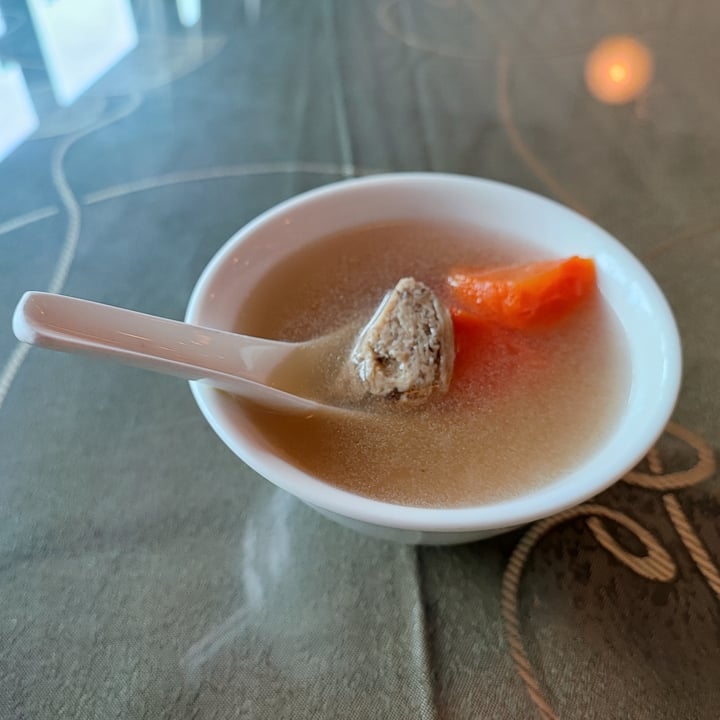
(618, 69)
(252, 10)
(189, 12)
(18, 119)
(3, 26)
(81, 40)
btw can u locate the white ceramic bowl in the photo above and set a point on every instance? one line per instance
(653, 339)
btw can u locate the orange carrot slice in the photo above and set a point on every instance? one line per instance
(522, 295)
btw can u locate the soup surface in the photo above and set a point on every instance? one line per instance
(524, 406)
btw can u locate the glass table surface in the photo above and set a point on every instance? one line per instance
(145, 572)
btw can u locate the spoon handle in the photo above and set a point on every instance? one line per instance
(225, 360)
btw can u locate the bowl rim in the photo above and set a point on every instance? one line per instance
(508, 513)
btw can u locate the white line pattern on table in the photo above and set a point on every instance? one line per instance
(28, 219)
(72, 232)
(212, 173)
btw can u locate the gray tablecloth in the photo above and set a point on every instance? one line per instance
(146, 573)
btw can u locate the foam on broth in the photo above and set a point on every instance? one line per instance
(541, 404)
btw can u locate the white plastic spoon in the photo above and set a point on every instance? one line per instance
(236, 363)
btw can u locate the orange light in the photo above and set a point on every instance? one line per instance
(617, 72)
(618, 69)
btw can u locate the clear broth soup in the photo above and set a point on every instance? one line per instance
(528, 409)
